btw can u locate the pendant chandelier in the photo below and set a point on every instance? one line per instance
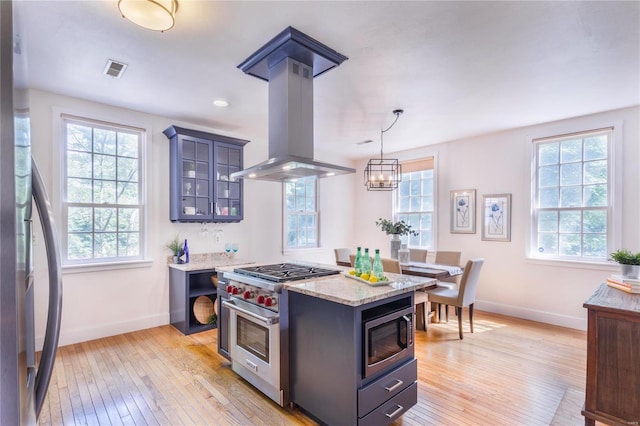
(383, 174)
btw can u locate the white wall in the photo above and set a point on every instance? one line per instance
(102, 303)
(500, 163)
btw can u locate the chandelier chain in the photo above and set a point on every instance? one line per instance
(397, 113)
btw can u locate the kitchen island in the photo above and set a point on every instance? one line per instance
(351, 348)
(310, 335)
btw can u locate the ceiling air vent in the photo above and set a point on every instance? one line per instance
(114, 69)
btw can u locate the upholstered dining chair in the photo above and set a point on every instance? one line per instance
(342, 254)
(417, 255)
(464, 296)
(391, 265)
(450, 258)
(421, 298)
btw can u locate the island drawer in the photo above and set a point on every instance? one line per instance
(387, 386)
(391, 410)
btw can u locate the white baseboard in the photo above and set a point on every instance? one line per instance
(83, 334)
(578, 323)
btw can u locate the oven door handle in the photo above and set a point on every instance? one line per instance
(251, 311)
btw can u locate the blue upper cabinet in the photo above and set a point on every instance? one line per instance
(201, 187)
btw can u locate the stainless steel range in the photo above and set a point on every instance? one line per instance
(258, 340)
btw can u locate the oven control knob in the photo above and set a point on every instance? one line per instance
(270, 301)
(235, 290)
(229, 288)
(261, 299)
(248, 294)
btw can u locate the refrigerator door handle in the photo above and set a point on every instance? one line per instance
(50, 347)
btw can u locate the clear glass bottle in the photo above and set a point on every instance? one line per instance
(357, 264)
(378, 271)
(366, 262)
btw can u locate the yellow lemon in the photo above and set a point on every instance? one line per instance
(352, 272)
(365, 277)
(373, 280)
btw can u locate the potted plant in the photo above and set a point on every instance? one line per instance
(175, 246)
(629, 262)
(396, 230)
(213, 319)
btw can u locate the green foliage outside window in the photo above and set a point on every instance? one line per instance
(102, 192)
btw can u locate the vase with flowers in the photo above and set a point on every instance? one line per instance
(396, 229)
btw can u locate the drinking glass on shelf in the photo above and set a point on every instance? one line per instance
(227, 247)
(235, 247)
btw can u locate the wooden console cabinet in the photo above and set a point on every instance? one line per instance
(613, 358)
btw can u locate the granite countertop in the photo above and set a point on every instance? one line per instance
(205, 261)
(348, 291)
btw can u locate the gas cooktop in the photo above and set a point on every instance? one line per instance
(283, 272)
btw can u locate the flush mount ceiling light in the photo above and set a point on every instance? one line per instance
(157, 15)
(383, 174)
(221, 103)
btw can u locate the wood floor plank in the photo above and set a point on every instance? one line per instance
(509, 372)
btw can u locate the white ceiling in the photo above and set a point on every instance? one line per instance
(458, 69)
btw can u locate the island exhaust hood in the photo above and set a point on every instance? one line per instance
(289, 62)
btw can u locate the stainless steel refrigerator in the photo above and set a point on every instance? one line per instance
(24, 377)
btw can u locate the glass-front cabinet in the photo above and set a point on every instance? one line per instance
(228, 200)
(201, 189)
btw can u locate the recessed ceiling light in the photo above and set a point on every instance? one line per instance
(221, 103)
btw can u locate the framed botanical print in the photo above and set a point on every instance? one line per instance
(463, 211)
(496, 217)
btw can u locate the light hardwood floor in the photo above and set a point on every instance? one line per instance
(509, 372)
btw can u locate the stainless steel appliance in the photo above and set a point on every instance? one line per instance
(387, 338)
(258, 342)
(289, 62)
(23, 383)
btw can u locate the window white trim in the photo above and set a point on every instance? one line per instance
(615, 190)
(423, 164)
(58, 178)
(285, 248)
(111, 266)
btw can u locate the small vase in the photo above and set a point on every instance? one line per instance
(176, 259)
(403, 254)
(394, 245)
(630, 271)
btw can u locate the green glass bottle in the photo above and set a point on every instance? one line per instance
(366, 262)
(357, 264)
(378, 271)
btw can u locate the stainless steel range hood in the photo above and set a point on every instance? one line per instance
(289, 62)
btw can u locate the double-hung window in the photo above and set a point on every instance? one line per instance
(301, 213)
(572, 199)
(414, 202)
(103, 202)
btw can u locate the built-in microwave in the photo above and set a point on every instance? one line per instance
(387, 336)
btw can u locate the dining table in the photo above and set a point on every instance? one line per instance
(430, 270)
(423, 269)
